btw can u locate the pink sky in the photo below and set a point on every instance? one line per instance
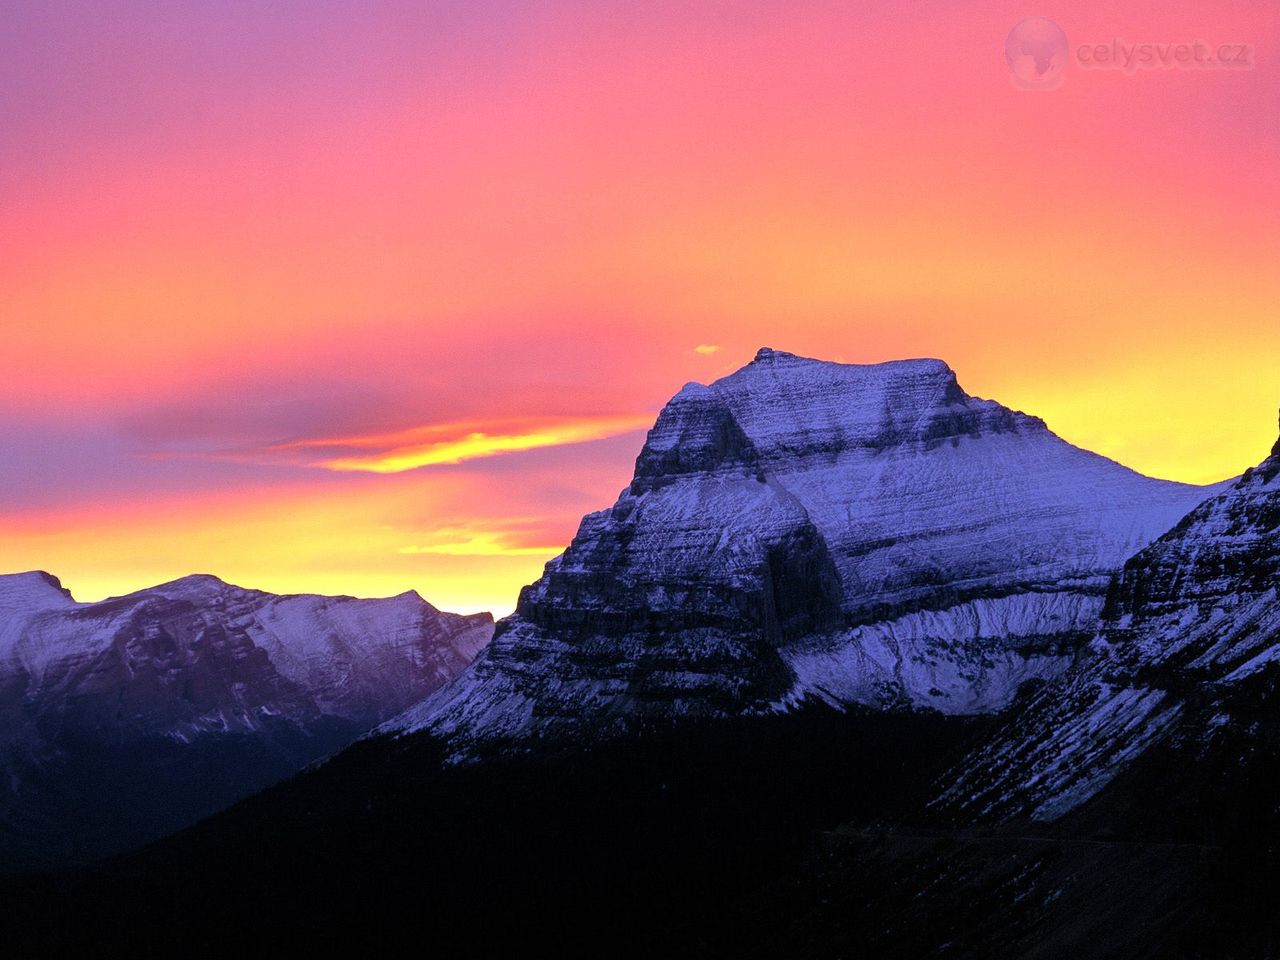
(252, 252)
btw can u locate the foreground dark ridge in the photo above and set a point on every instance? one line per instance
(639, 848)
(706, 841)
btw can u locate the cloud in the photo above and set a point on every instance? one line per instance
(707, 349)
(453, 443)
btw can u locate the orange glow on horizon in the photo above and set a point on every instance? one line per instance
(383, 299)
(301, 542)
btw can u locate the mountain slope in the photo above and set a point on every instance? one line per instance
(1127, 809)
(803, 529)
(127, 718)
(1187, 660)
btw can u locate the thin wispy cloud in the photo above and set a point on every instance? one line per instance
(454, 443)
(707, 349)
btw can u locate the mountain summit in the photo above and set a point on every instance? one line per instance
(866, 534)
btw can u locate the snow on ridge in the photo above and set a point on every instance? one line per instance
(33, 589)
(337, 655)
(967, 659)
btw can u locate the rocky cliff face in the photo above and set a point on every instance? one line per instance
(858, 534)
(1187, 663)
(196, 691)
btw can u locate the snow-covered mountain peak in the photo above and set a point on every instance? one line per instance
(786, 397)
(33, 590)
(781, 408)
(769, 356)
(768, 361)
(860, 533)
(195, 586)
(202, 588)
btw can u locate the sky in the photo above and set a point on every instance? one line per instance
(361, 298)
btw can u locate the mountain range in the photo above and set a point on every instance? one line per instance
(857, 664)
(126, 719)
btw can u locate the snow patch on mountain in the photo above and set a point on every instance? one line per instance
(970, 658)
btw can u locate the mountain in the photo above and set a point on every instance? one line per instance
(1187, 663)
(799, 530)
(927, 549)
(128, 718)
(1125, 809)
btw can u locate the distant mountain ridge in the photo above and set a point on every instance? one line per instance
(859, 534)
(198, 690)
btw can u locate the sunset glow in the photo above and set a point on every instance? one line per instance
(365, 298)
(457, 443)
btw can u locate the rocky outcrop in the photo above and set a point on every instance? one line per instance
(801, 529)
